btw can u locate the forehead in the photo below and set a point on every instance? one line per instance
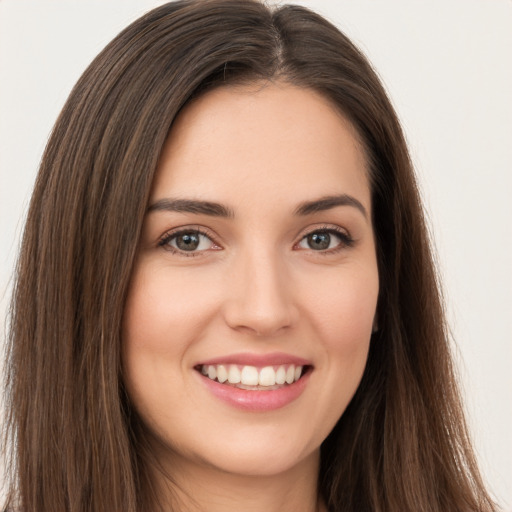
(265, 139)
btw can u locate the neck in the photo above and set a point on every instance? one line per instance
(199, 487)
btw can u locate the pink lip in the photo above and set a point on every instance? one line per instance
(257, 360)
(256, 400)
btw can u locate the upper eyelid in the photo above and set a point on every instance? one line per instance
(164, 242)
(346, 239)
(203, 230)
(323, 227)
(188, 229)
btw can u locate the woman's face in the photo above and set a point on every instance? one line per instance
(256, 264)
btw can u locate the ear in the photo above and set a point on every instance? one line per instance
(375, 326)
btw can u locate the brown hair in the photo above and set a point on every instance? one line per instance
(402, 443)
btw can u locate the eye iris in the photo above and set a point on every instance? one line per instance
(187, 241)
(319, 241)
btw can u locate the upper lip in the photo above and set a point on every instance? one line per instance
(258, 360)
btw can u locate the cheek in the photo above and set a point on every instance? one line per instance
(341, 315)
(161, 321)
(164, 311)
(345, 310)
(343, 318)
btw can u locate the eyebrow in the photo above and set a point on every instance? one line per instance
(328, 202)
(218, 210)
(191, 206)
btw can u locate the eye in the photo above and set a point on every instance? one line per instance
(325, 240)
(187, 241)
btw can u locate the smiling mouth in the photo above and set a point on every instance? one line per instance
(266, 378)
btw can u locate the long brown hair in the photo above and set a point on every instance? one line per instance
(402, 443)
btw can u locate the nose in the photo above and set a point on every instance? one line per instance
(261, 299)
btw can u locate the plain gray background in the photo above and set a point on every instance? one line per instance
(447, 67)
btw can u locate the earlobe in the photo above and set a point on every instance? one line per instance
(375, 326)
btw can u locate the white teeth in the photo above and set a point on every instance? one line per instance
(222, 374)
(281, 375)
(290, 374)
(249, 376)
(267, 376)
(233, 374)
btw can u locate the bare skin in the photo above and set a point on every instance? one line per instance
(258, 243)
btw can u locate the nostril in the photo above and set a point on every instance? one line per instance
(260, 305)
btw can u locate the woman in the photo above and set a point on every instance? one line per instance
(225, 294)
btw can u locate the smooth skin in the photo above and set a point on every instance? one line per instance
(272, 266)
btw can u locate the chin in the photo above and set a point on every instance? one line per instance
(254, 462)
(263, 451)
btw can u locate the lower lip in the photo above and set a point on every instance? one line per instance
(257, 400)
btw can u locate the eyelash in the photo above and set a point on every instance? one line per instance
(164, 242)
(346, 241)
